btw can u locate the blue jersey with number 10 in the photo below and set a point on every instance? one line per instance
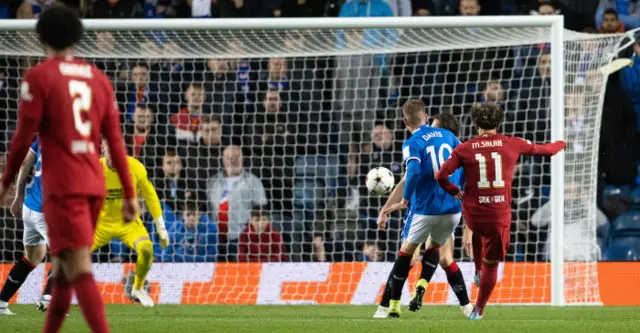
(33, 192)
(431, 147)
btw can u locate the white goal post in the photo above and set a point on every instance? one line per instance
(574, 62)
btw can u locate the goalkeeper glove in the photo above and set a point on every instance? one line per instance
(162, 232)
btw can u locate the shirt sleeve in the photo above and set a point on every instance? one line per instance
(410, 152)
(147, 190)
(34, 147)
(526, 147)
(30, 112)
(113, 134)
(450, 166)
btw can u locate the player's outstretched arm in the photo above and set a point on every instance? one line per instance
(21, 183)
(150, 197)
(29, 117)
(448, 168)
(394, 198)
(548, 149)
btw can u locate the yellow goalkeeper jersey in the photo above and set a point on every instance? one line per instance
(112, 208)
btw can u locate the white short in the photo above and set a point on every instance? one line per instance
(439, 227)
(35, 228)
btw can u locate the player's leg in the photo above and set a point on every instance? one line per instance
(71, 224)
(477, 244)
(35, 248)
(417, 234)
(137, 238)
(383, 306)
(495, 241)
(455, 277)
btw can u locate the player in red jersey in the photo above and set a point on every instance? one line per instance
(488, 161)
(71, 104)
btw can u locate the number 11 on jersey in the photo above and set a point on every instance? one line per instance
(482, 166)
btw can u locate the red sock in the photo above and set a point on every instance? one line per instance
(487, 283)
(452, 269)
(59, 305)
(90, 302)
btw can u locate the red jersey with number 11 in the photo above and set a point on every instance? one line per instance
(488, 161)
(71, 104)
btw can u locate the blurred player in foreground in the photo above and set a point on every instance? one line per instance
(488, 161)
(70, 103)
(434, 214)
(28, 204)
(133, 234)
(454, 275)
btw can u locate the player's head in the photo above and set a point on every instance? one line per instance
(191, 214)
(486, 117)
(414, 114)
(232, 160)
(171, 164)
(59, 29)
(260, 219)
(447, 121)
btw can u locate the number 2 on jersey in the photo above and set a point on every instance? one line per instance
(482, 166)
(81, 94)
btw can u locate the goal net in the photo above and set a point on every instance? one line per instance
(258, 141)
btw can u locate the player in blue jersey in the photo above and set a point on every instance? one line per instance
(28, 204)
(433, 215)
(450, 267)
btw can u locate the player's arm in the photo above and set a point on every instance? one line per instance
(412, 159)
(548, 149)
(21, 182)
(30, 113)
(449, 167)
(395, 196)
(150, 196)
(113, 134)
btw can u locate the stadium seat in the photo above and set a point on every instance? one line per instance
(617, 190)
(603, 230)
(635, 196)
(628, 222)
(620, 252)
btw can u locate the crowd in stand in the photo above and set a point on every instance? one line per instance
(263, 159)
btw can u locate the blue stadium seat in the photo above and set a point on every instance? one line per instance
(620, 252)
(602, 243)
(315, 181)
(628, 222)
(635, 196)
(604, 230)
(617, 190)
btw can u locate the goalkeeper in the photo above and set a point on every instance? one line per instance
(133, 234)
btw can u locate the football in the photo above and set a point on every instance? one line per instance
(380, 181)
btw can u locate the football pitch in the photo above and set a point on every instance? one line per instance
(330, 319)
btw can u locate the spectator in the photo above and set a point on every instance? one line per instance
(380, 151)
(136, 91)
(617, 162)
(469, 8)
(547, 8)
(303, 8)
(31, 9)
(333, 245)
(631, 84)
(534, 99)
(356, 93)
(575, 131)
(172, 185)
(249, 8)
(106, 45)
(272, 148)
(194, 236)
(146, 140)
(260, 242)
(627, 12)
(610, 23)
(423, 7)
(399, 7)
(371, 252)
(232, 194)
(185, 122)
(576, 229)
(203, 157)
(114, 9)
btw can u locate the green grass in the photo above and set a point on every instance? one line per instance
(333, 319)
